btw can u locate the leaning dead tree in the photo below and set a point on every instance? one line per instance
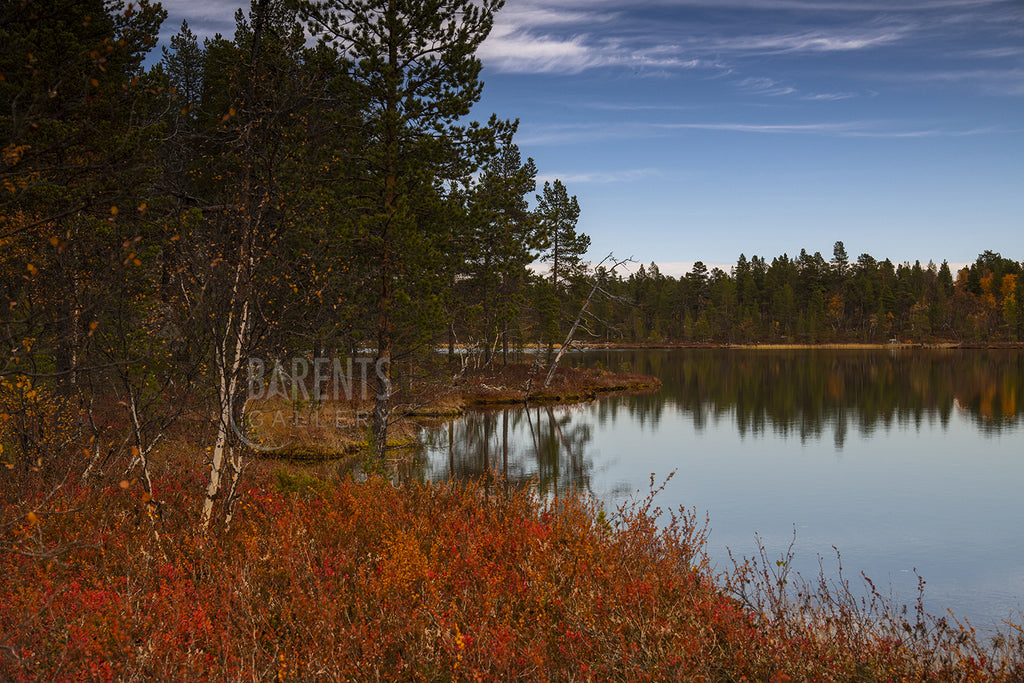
(579, 317)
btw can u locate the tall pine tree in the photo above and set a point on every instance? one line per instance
(415, 65)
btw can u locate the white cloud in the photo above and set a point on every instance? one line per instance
(569, 134)
(867, 129)
(829, 96)
(833, 128)
(518, 51)
(585, 133)
(765, 86)
(807, 41)
(623, 176)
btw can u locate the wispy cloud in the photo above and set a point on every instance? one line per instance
(765, 86)
(589, 133)
(583, 133)
(743, 38)
(991, 81)
(571, 36)
(623, 176)
(867, 129)
(772, 128)
(533, 36)
(997, 52)
(829, 96)
(514, 49)
(836, 40)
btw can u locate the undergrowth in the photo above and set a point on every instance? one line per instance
(340, 579)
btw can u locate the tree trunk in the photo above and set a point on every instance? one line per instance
(228, 363)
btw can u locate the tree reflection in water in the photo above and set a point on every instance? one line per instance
(799, 394)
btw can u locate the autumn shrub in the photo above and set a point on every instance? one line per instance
(36, 424)
(339, 579)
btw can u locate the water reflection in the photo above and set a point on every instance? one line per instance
(907, 461)
(805, 394)
(544, 446)
(802, 395)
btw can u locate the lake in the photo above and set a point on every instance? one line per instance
(902, 459)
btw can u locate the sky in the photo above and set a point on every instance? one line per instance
(702, 129)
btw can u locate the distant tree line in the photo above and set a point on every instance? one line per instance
(810, 300)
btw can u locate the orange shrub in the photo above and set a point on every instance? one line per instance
(368, 580)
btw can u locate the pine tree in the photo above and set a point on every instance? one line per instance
(80, 135)
(414, 65)
(557, 214)
(505, 240)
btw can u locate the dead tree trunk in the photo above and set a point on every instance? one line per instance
(576, 323)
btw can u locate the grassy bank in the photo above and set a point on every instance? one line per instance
(336, 428)
(334, 579)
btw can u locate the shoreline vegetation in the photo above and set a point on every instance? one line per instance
(326, 430)
(354, 578)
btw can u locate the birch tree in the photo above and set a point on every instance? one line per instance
(234, 163)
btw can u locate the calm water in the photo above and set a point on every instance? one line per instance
(902, 460)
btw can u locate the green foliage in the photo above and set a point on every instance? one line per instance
(298, 483)
(557, 214)
(807, 300)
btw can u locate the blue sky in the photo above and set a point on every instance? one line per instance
(702, 129)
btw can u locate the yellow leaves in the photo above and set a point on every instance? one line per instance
(94, 83)
(32, 270)
(227, 117)
(13, 153)
(113, 210)
(32, 518)
(1009, 285)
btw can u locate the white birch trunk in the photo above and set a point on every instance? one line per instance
(228, 362)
